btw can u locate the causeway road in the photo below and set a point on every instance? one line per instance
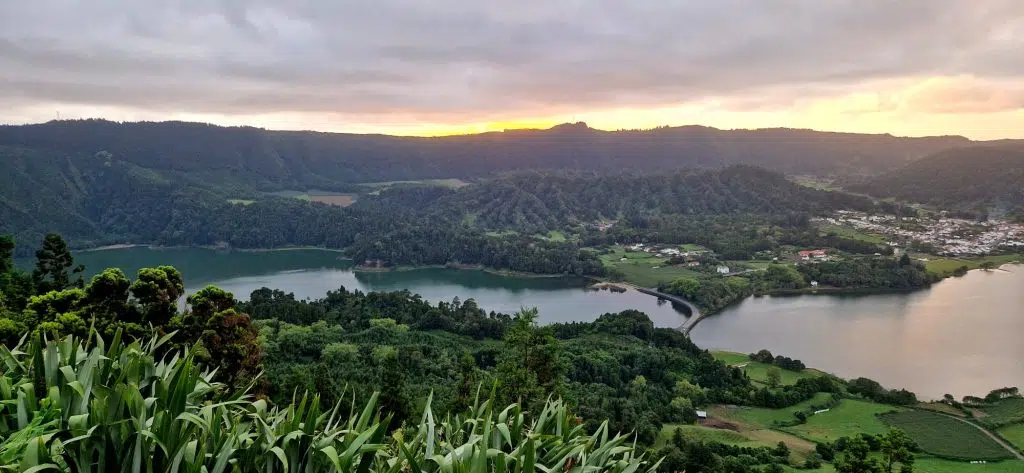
(695, 314)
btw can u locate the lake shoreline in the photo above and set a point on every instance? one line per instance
(461, 267)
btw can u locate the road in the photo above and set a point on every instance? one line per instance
(695, 314)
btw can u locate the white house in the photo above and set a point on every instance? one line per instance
(814, 283)
(722, 270)
(702, 414)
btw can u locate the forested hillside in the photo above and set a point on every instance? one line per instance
(541, 201)
(979, 179)
(99, 199)
(274, 160)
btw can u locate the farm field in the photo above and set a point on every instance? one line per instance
(761, 418)
(941, 407)
(1014, 434)
(644, 269)
(849, 418)
(730, 358)
(799, 448)
(944, 265)
(927, 464)
(1005, 411)
(852, 233)
(452, 183)
(339, 199)
(941, 435)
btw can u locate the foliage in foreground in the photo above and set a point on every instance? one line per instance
(72, 405)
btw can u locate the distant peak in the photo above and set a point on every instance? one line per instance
(570, 126)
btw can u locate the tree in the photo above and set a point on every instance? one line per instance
(813, 461)
(232, 347)
(988, 265)
(391, 376)
(905, 259)
(690, 391)
(6, 254)
(855, 458)
(763, 356)
(106, 303)
(774, 377)
(158, 290)
(781, 450)
(528, 367)
(53, 261)
(683, 410)
(897, 447)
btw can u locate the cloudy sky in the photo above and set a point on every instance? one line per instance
(907, 67)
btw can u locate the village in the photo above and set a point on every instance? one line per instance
(947, 236)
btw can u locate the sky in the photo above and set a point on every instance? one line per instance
(431, 67)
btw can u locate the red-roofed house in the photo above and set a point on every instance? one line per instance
(808, 254)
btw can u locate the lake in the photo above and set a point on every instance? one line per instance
(962, 336)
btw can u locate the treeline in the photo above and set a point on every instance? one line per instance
(784, 362)
(977, 181)
(870, 273)
(738, 236)
(713, 293)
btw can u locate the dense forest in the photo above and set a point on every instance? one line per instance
(416, 361)
(981, 180)
(103, 200)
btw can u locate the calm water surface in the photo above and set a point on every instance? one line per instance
(963, 336)
(311, 273)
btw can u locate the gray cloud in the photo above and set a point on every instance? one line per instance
(446, 58)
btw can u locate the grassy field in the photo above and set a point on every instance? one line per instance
(341, 200)
(449, 183)
(849, 418)
(799, 448)
(1005, 411)
(555, 235)
(730, 357)
(700, 432)
(1014, 434)
(644, 269)
(852, 233)
(947, 265)
(761, 418)
(941, 407)
(928, 464)
(941, 435)
(758, 372)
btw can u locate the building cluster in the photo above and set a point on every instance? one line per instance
(950, 236)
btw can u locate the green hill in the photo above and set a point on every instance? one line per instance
(979, 179)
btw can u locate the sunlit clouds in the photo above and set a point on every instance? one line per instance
(915, 67)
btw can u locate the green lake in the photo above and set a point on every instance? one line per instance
(962, 336)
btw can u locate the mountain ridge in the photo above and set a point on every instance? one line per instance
(272, 159)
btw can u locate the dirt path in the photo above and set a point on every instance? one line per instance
(998, 440)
